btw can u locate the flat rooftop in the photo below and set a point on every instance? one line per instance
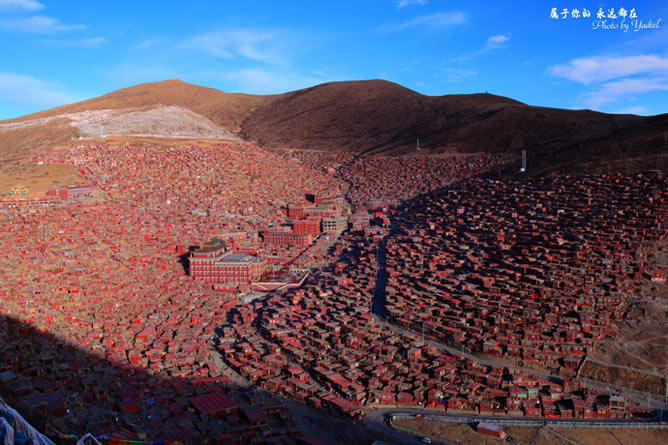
(238, 258)
(212, 245)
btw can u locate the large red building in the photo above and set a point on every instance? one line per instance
(310, 226)
(73, 192)
(213, 264)
(295, 212)
(327, 198)
(320, 211)
(287, 239)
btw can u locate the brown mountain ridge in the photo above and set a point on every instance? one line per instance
(377, 117)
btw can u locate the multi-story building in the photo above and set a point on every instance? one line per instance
(287, 239)
(295, 212)
(213, 264)
(310, 226)
(334, 224)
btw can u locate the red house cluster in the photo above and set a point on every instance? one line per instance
(96, 300)
(326, 328)
(100, 321)
(379, 181)
(535, 270)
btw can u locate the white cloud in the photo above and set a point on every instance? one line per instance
(24, 5)
(141, 69)
(439, 20)
(89, 42)
(497, 41)
(21, 90)
(638, 109)
(265, 46)
(404, 3)
(615, 78)
(601, 68)
(623, 89)
(38, 24)
(270, 81)
(450, 74)
(147, 43)
(493, 42)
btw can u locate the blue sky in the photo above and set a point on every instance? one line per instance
(58, 52)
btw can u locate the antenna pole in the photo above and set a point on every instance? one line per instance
(524, 161)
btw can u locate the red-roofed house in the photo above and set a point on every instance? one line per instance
(214, 402)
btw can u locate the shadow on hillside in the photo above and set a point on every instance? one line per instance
(62, 389)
